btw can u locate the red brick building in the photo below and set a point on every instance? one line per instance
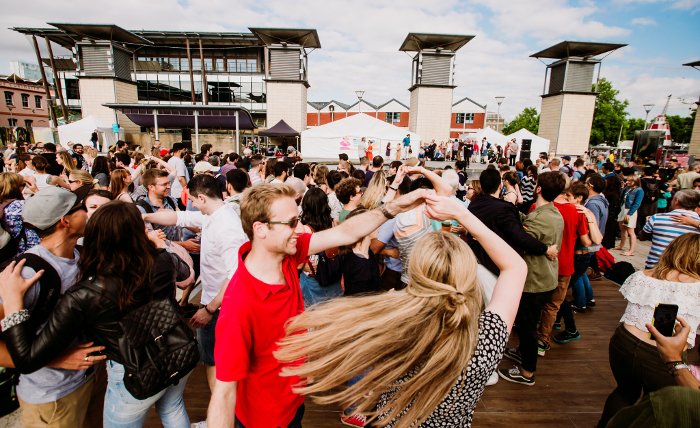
(24, 103)
(466, 113)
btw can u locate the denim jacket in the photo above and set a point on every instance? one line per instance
(633, 199)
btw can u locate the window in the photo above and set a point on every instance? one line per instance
(25, 100)
(12, 122)
(72, 89)
(393, 117)
(37, 101)
(8, 98)
(28, 124)
(463, 118)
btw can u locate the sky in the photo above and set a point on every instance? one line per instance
(360, 41)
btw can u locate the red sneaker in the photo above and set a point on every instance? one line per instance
(354, 420)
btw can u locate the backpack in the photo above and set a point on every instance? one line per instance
(619, 272)
(148, 208)
(652, 191)
(11, 244)
(604, 258)
(329, 269)
(570, 172)
(160, 346)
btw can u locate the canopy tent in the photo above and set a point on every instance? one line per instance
(279, 130)
(492, 137)
(81, 131)
(343, 136)
(537, 146)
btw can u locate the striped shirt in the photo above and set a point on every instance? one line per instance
(409, 228)
(255, 178)
(527, 188)
(664, 230)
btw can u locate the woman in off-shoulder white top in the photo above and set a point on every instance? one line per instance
(634, 359)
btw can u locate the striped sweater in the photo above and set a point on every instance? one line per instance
(664, 230)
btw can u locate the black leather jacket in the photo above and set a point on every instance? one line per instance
(83, 311)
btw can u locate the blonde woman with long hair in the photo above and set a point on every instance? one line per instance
(79, 178)
(375, 192)
(634, 358)
(427, 351)
(66, 161)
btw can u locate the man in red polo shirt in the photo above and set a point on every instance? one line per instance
(575, 225)
(262, 296)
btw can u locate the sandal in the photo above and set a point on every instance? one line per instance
(627, 254)
(617, 248)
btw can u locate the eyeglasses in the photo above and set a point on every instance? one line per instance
(291, 223)
(72, 181)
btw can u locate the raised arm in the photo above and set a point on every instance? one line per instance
(356, 228)
(162, 217)
(441, 187)
(509, 287)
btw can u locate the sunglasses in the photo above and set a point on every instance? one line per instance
(291, 223)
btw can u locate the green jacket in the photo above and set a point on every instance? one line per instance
(547, 226)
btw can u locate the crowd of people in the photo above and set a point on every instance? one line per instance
(388, 290)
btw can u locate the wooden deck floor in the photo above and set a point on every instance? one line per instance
(572, 381)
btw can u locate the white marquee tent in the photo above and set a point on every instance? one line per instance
(81, 131)
(538, 145)
(492, 137)
(343, 136)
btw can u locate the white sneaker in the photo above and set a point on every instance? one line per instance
(493, 379)
(202, 424)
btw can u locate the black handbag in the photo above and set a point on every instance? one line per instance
(157, 344)
(329, 269)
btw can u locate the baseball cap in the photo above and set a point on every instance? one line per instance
(164, 152)
(204, 166)
(566, 157)
(46, 207)
(674, 159)
(412, 161)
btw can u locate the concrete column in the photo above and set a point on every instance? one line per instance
(196, 131)
(694, 148)
(237, 132)
(155, 121)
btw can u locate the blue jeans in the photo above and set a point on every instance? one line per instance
(122, 410)
(206, 339)
(295, 423)
(581, 263)
(582, 291)
(314, 293)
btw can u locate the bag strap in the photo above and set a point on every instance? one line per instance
(145, 205)
(49, 287)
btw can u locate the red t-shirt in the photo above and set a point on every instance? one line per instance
(251, 322)
(575, 225)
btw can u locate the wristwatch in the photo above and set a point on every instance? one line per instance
(386, 213)
(675, 367)
(394, 189)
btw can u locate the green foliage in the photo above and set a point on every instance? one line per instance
(630, 126)
(681, 128)
(609, 115)
(528, 119)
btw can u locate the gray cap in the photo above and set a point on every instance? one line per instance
(290, 149)
(46, 207)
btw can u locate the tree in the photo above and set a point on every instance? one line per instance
(681, 128)
(632, 125)
(528, 119)
(609, 114)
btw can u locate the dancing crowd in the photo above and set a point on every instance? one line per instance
(388, 291)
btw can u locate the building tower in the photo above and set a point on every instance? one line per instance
(694, 148)
(568, 103)
(286, 73)
(432, 82)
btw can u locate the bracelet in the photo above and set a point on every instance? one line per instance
(14, 319)
(395, 190)
(206, 308)
(674, 362)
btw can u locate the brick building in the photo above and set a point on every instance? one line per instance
(25, 103)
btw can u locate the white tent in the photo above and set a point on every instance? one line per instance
(343, 136)
(81, 131)
(538, 145)
(492, 137)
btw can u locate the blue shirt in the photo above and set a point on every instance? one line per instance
(664, 230)
(633, 199)
(172, 233)
(386, 236)
(406, 141)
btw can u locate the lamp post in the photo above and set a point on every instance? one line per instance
(499, 100)
(359, 97)
(332, 109)
(648, 108)
(11, 107)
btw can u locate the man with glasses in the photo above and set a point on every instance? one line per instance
(222, 236)
(69, 392)
(157, 183)
(264, 294)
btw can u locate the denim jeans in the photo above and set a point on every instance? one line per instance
(295, 423)
(122, 410)
(582, 291)
(581, 263)
(206, 339)
(313, 293)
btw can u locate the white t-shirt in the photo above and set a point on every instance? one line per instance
(26, 172)
(181, 168)
(361, 149)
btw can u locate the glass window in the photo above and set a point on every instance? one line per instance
(469, 118)
(241, 66)
(25, 100)
(219, 64)
(196, 64)
(12, 122)
(8, 98)
(252, 65)
(394, 117)
(37, 101)
(72, 89)
(208, 63)
(28, 123)
(231, 65)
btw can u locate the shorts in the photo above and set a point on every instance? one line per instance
(206, 340)
(633, 218)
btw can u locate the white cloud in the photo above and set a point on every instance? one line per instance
(643, 21)
(693, 5)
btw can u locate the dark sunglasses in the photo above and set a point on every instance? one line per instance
(290, 223)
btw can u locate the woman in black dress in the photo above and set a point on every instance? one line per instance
(612, 192)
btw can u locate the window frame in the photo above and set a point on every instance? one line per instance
(25, 100)
(37, 101)
(9, 96)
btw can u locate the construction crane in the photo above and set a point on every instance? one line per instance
(663, 113)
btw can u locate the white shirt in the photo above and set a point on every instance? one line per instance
(26, 172)
(361, 149)
(181, 168)
(222, 237)
(276, 181)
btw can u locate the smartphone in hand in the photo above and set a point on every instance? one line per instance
(664, 319)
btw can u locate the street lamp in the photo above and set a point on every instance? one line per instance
(648, 108)
(499, 100)
(359, 97)
(10, 107)
(332, 109)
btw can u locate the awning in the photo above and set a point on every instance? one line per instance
(280, 130)
(182, 116)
